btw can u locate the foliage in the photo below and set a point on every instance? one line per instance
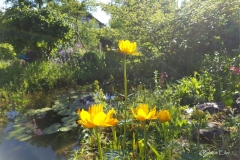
(219, 69)
(7, 51)
(33, 4)
(34, 77)
(180, 35)
(34, 29)
(89, 34)
(197, 38)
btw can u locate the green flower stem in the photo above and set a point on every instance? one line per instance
(165, 139)
(115, 144)
(125, 103)
(134, 142)
(198, 144)
(145, 140)
(99, 144)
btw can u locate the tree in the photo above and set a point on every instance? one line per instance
(31, 3)
(35, 29)
(85, 32)
(178, 37)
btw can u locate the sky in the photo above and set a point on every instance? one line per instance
(99, 14)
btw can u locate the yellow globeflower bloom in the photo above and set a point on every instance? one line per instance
(127, 47)
(164, 116)
(142, 113)
(96, 117)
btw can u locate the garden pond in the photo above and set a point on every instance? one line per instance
(46, 131)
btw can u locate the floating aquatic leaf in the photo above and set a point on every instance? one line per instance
(16, 130)
(24, 137)
(31, 126)
(43, 110)
(33, 112)
(60, 106)
(13, 135)
(65, 128)
(71, 118)
(21, 119)
(73, 106)
(52, 129)
(65, 112)
(29, 131)
(68, 127)
(30, 112)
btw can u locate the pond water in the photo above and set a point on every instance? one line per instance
(47, 130)
(56, 146)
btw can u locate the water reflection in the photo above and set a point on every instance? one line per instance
(16, 150)
(57, 146)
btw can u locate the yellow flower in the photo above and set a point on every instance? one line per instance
(141, 112)
(96, 117)
(164, 116)
(127, 47)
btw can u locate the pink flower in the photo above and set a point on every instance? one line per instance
(236, 70)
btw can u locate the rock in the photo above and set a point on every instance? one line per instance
(212, 107)
(209, 135)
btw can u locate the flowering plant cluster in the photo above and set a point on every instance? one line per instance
(95, 116)
(142, 113)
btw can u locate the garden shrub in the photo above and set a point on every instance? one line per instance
(7, 51)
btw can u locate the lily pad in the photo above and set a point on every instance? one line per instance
(60, 106)
(68, 127)
(21, 119)
(44, 110)
(71, 118)
(13, 134)
(52, 129)
(24, 137)
(16, 130)
(65, 112)
(31, 112)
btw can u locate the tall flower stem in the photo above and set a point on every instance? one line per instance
(198, 144)
(125, 103)
(145, 139)
(99, 143)
(165, 140)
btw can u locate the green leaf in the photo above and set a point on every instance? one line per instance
(52, 129)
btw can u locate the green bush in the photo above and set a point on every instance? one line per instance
(7, 51)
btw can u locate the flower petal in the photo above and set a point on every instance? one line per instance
(99, 119)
